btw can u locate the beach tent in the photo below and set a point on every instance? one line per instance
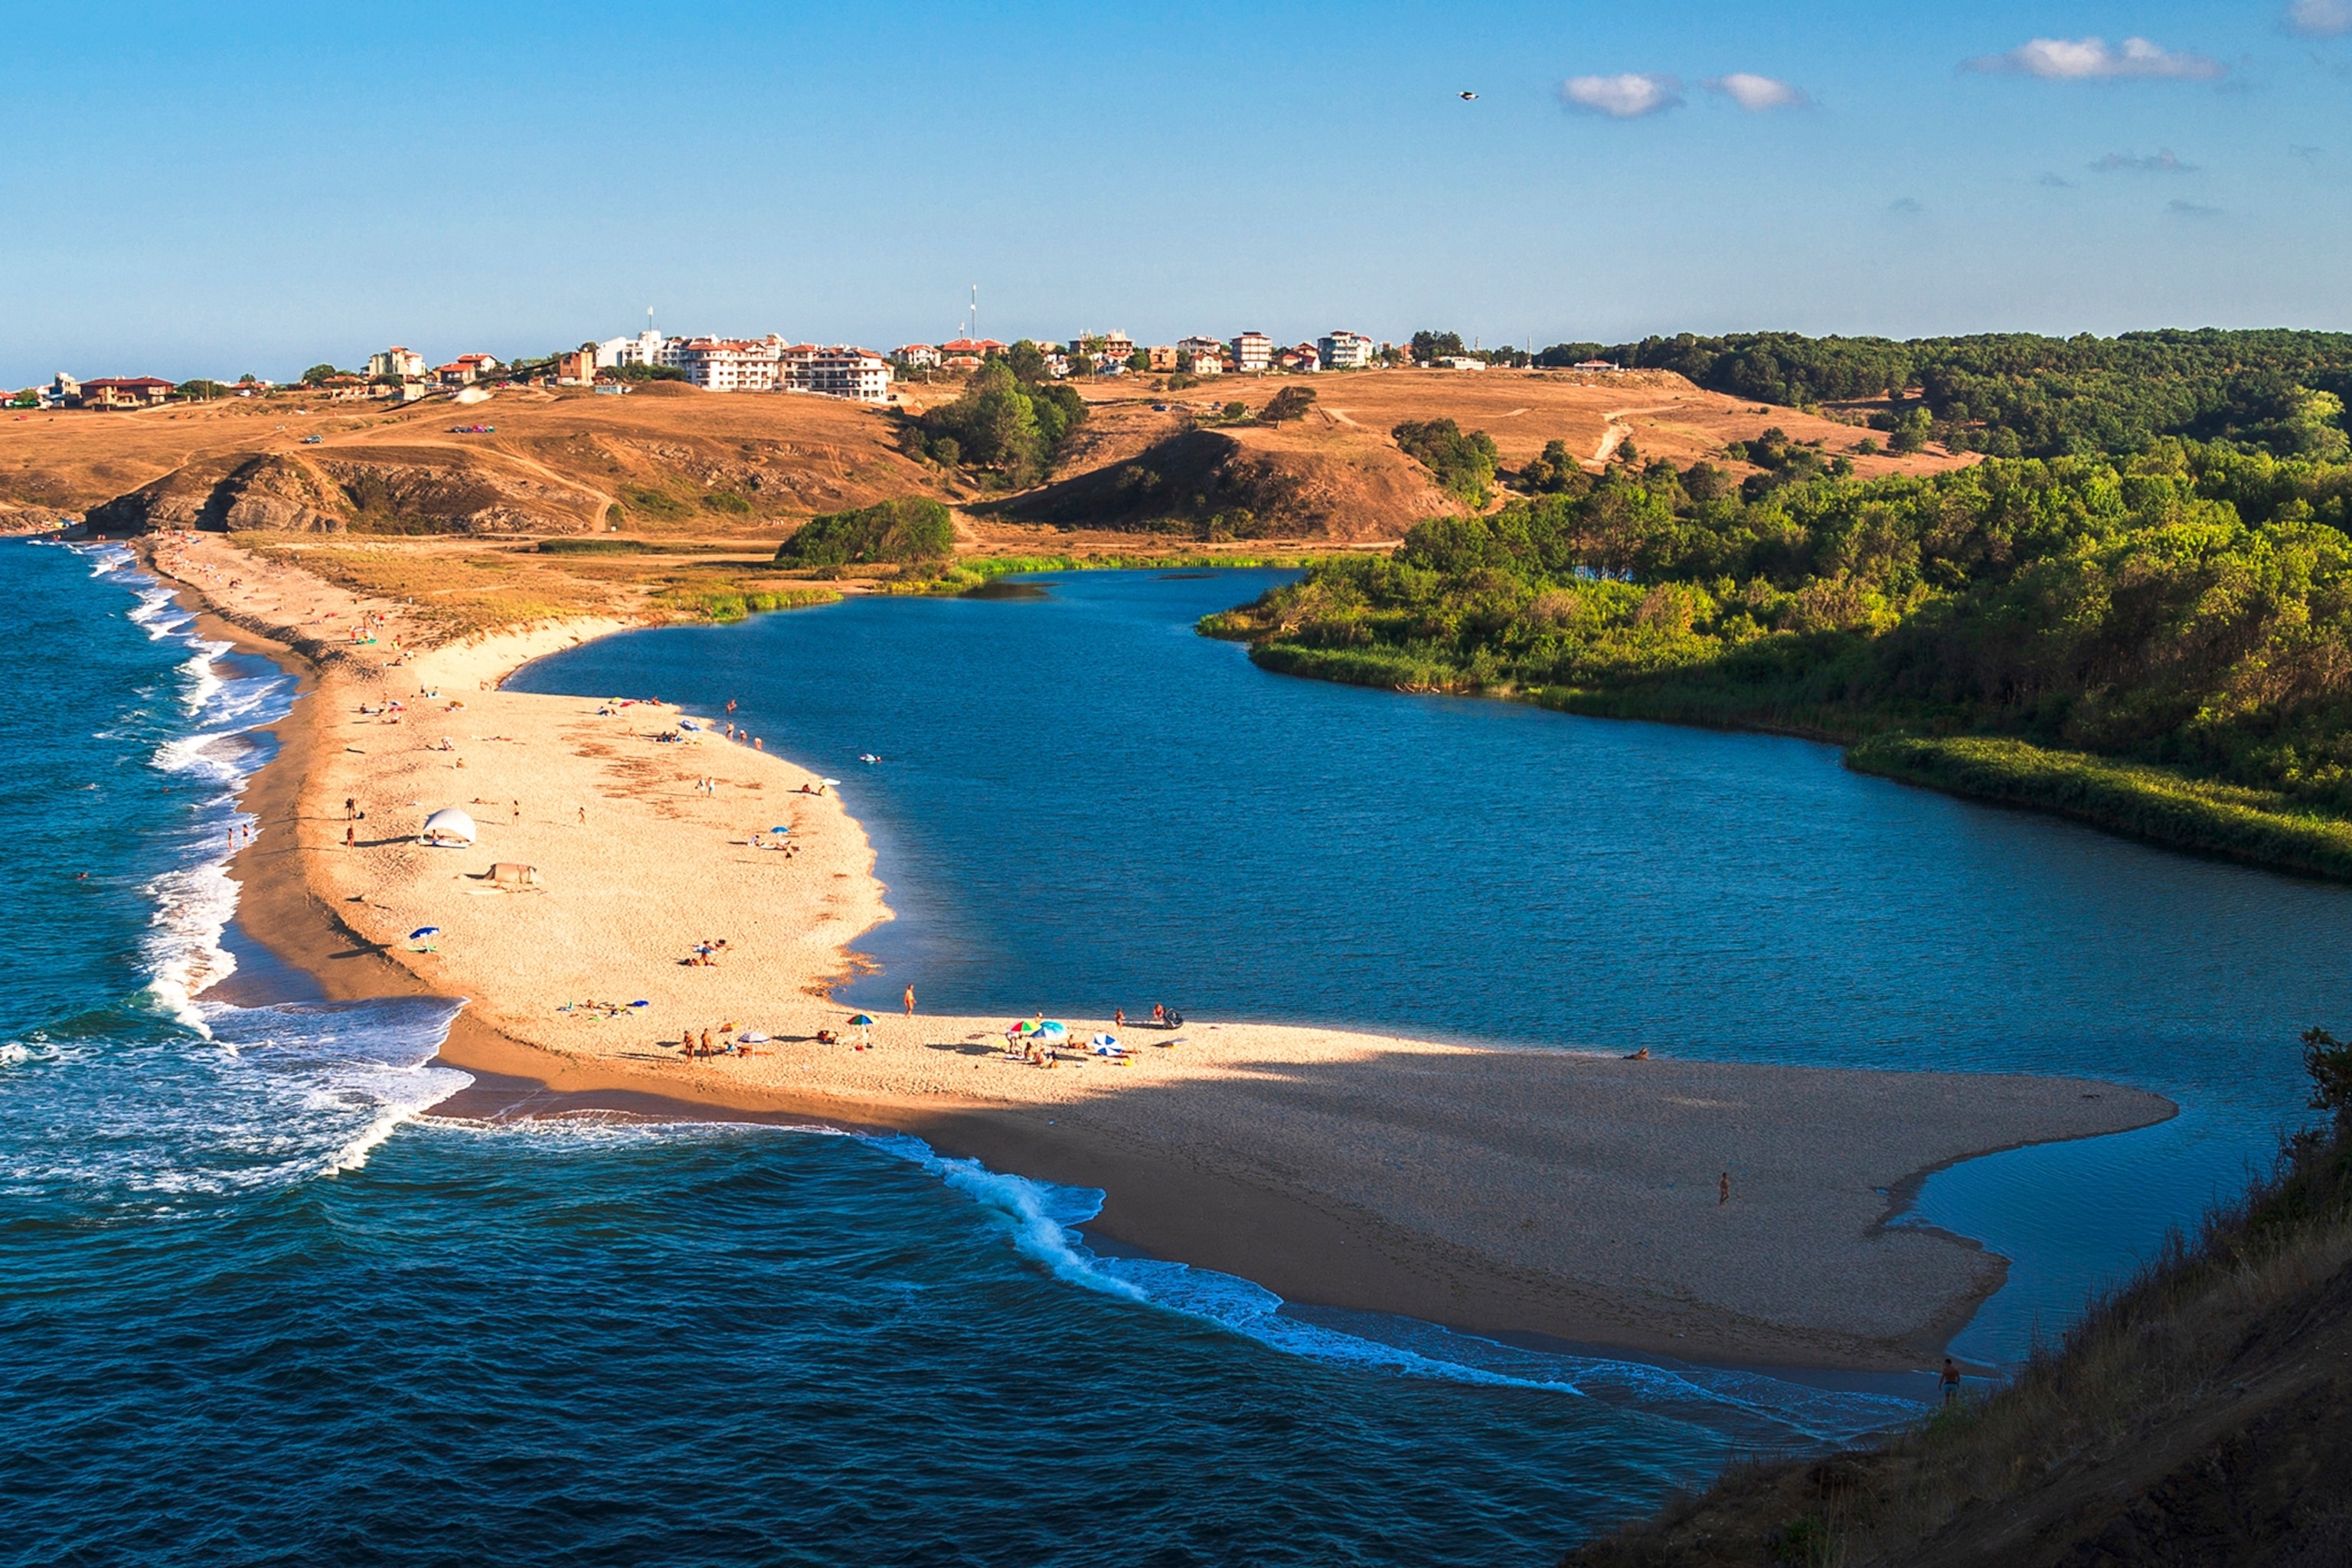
(448, 825)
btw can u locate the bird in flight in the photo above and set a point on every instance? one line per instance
(1468, 96)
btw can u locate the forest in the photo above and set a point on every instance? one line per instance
(2019, 395)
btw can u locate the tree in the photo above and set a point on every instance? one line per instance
(200, 390)
(2328, 1060)
(1289, 404)
(319, 373)
(1464, 465)
(1000, 424)
(912, 528)
(1428, 346)
(1911, 432)
(1028, 362)
(1139, 362)
(1183, 362)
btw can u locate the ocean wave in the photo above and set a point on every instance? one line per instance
(1042, 1219)
(103, 1111)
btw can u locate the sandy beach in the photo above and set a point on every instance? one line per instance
(1496, 1190)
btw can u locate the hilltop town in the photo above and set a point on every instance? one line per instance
(770, 364)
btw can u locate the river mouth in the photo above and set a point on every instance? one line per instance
(1102, 808)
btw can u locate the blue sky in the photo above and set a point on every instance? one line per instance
(216, 189)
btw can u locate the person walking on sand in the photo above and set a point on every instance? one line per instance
(1951, 1380)
(1723, 1190)
(910, 1002)
(350, 837)
(1118, 1019)
(583, 816)
(350, 807)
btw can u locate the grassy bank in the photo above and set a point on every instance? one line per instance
(2197, 1414)
(2148, 802)
(2157, 805)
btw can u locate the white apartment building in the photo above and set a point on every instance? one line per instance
(644, 348)
(917, 356)
(1341, 350)
(729, 364)
(1252, 352)
(396, 364)
(839, 371)
(859, 375)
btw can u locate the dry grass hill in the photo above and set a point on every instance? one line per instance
(669, 459)
(663, 459)
(1143, 461)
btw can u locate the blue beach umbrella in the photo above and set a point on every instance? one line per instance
(421, 932)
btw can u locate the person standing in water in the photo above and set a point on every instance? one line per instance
(1951, 1380)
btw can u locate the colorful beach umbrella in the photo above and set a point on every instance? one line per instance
(862, 1021)
(421, 932)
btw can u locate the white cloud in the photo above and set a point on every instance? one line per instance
(2163, 160)
(2192, 209)
(1758, 93)
(2319, 19)
(1627, 97)
(2084, 59)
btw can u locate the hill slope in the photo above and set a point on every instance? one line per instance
(2202, 1414)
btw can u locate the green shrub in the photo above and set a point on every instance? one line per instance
(912, 528)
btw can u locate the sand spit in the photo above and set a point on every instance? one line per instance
(1498, 1190)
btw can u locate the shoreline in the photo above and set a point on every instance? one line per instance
(1332, 1167)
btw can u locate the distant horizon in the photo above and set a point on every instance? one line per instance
(267, 186)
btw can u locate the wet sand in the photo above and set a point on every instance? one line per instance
(1496, 1190)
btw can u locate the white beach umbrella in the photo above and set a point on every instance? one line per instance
(449, 824)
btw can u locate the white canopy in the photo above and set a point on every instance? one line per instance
(449, 823)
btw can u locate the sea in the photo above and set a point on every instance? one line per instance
(260, 1304)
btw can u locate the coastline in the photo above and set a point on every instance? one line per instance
(1496, 1191)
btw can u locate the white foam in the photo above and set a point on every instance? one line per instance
(1040, 1217)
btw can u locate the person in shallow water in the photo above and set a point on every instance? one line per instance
(1951, 1380)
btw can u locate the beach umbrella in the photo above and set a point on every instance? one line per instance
(862, 1022)
(780, 830)
(421, 932)
(449, 824)
(828, 781)
(640, 1003)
